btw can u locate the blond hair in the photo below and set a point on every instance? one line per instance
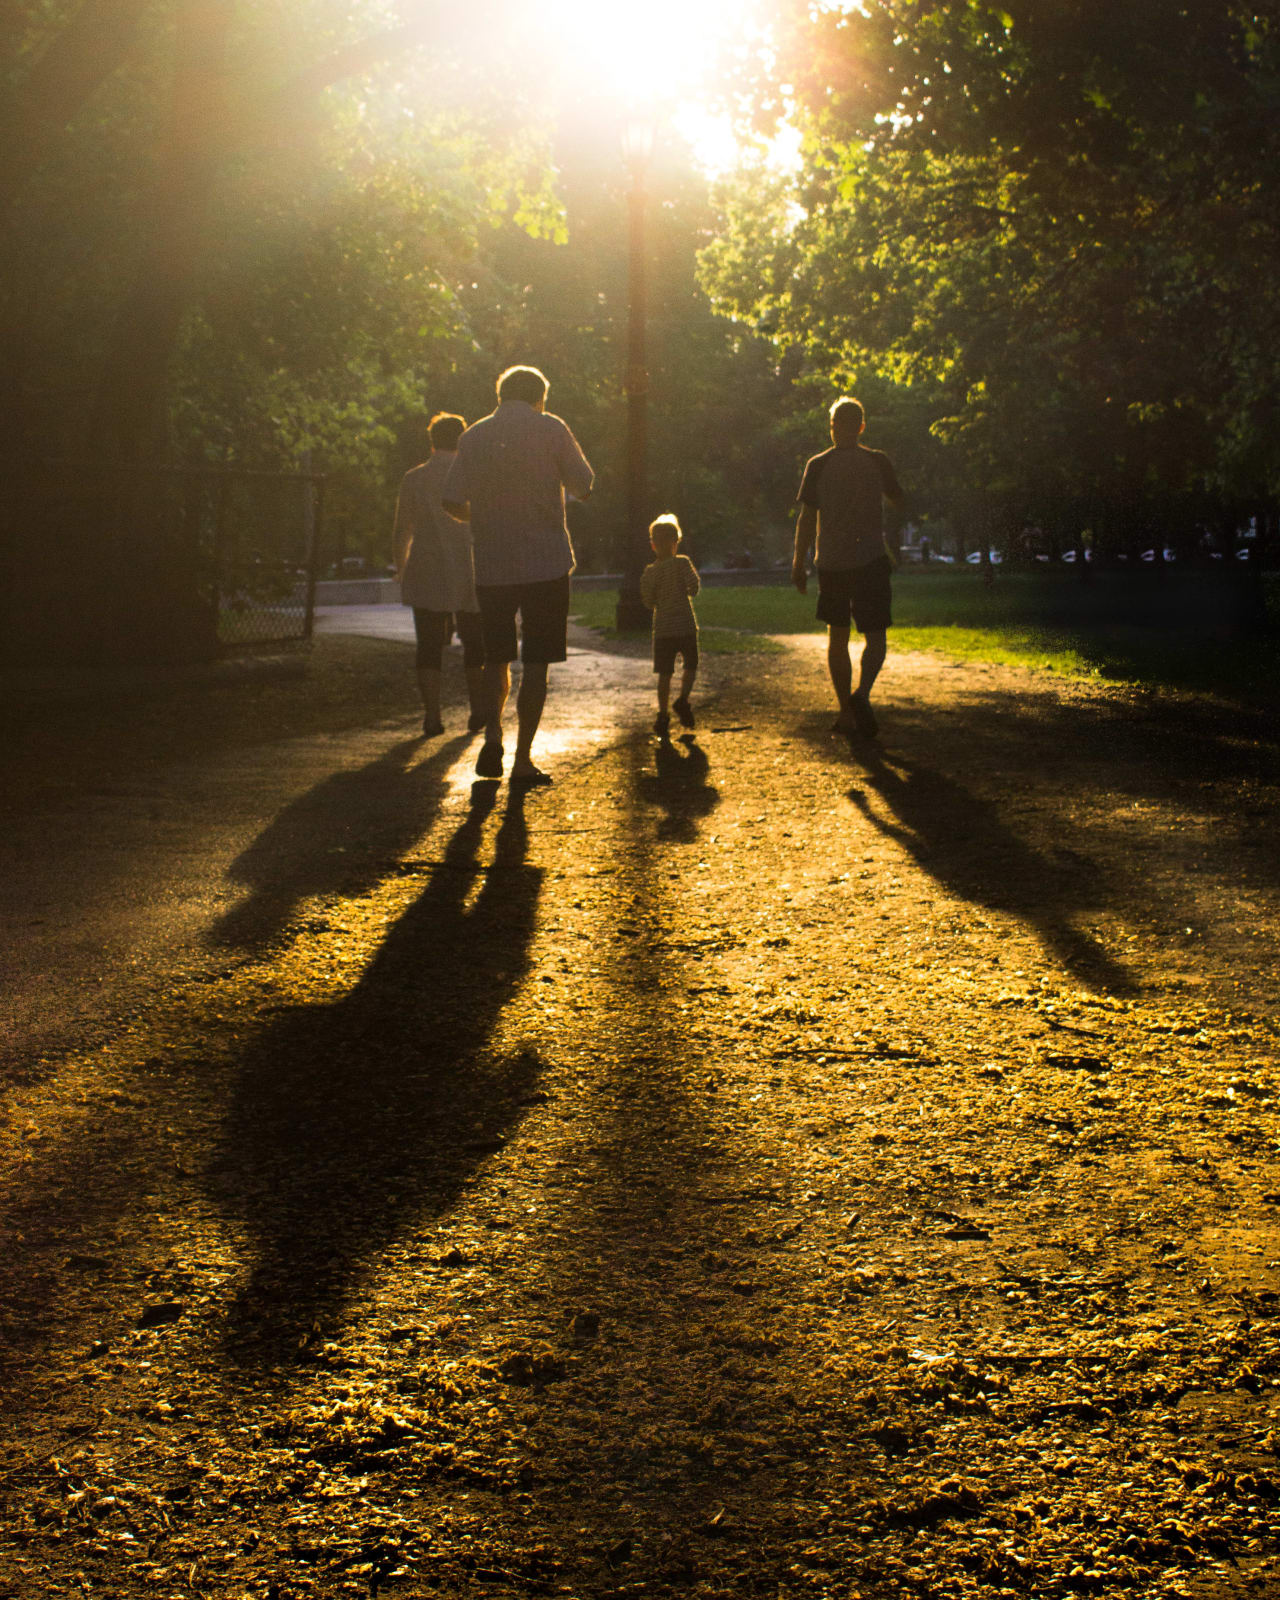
(667, 524)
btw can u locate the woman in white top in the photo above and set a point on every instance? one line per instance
(437, 576)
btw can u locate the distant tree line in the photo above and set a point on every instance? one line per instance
(1041, 233)
(261, 236)
(1035, 237)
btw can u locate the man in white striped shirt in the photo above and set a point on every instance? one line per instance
(509, 479)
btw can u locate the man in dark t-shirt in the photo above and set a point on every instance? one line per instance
(842, 495)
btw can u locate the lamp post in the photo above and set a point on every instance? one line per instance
(632, 613)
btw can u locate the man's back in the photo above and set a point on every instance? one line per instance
(513, 468)
(847, 485)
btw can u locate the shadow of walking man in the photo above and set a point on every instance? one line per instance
(339, 837)
(350, 1120)
(960, 840)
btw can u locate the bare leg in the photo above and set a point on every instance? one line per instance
(838, 663)
(496, 685)
(662, 722)
(476, 692)
(429, 688)
(873, 654)
(687, 677)
(529, 704)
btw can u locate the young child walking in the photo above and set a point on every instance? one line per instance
(667, 587)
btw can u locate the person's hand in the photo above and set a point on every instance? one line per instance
(799, 576)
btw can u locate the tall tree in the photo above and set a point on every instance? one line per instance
(1057, 214)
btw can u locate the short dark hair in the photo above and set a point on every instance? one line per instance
(848, 413)
(446, 429)
(523, 383)
(667, 524)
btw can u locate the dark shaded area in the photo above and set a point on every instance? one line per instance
(1205, 629)
(347, 1121)
(960, 839)
(681, 787)
(343, 835)
(1037, 805)
(81, 729)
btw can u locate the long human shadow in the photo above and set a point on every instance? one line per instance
(665, 1243)
(339, 837)
(959, 839)
(350, 1119)
(681, 787)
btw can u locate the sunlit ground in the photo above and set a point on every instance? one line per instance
(556, 748)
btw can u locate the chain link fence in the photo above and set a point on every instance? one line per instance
(110, 564)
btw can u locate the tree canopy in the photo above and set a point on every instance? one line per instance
(1035, 236)
(1053, 218)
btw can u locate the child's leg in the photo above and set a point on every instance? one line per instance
(664, 691)
(689, 658)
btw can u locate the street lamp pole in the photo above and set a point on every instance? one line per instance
(632, 613)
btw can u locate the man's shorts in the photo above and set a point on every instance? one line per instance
(860, 595)
(544, 620)
(434, 629)
(666, 647)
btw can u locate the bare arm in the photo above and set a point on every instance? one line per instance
(575, 470)
(889, 484)
(806, 533)
(402, 538)
(459, 510)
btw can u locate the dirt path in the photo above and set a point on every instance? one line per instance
(766, 1169)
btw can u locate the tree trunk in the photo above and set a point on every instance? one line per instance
(133, 383)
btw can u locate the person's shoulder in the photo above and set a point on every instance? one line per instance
(814, 468)
(552, 423)
(867, 450)
(417, 472)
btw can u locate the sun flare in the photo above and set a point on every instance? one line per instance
(662, 49)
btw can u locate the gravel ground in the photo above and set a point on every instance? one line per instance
(758, 1165)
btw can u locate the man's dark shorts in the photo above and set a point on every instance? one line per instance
(544, 620)
(666, 647)
(434, 629)
(860, 595)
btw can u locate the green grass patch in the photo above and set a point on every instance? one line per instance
(1182, 630)
(727, 627)
(1029, 647)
